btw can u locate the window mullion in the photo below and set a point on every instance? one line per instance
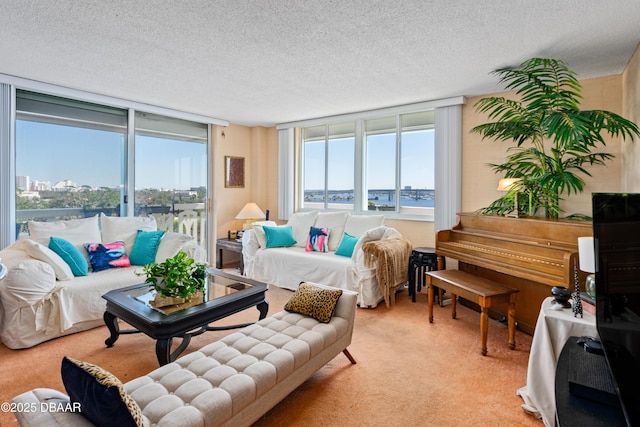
(326, 167)
(398, 160)
(360, 154)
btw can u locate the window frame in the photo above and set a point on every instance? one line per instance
(8, 87)
(326, 139)
(361, 186)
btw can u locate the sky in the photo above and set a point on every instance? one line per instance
(93, 157)
(417, 162)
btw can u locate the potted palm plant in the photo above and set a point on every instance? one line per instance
(554, 140)
(176, 280)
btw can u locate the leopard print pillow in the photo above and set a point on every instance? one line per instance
(314, 301)
(101, 395)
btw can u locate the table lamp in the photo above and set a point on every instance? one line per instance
(588, 264)
(511, 184)
(250, 213)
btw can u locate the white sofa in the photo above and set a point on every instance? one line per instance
(231, 382)
(41, 299)
(287, 267)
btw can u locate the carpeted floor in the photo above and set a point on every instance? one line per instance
(409, 372)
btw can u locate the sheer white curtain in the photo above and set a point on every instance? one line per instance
(286, 178)
(448, 166)
(7, 167)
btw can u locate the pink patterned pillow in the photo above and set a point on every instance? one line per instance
(107, 255)
(318, 240)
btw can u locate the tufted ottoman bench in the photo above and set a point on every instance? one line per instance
(230, 382)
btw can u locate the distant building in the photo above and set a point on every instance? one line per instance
(22, 183)
(65, 185)
(40, 186)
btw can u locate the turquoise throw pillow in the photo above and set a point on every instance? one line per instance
(347, 244)
(278, 237)
(70, 254)
(145, 247)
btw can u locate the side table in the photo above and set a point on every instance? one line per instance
(231, 245)
(553, 329)
(421, 260)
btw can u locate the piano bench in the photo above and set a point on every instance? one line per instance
(479, 290)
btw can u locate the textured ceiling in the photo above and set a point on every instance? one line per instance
(263, 62)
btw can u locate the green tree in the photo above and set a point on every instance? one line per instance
(554, 139)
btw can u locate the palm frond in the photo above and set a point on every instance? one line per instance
(548, 110)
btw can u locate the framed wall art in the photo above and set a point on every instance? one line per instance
(233, 172)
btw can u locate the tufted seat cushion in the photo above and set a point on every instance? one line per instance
(212, 384)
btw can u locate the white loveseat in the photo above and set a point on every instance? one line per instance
(287, 267)
(41, 299)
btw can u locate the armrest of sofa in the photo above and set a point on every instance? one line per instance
(250, 244)
(27, 279)
(377, 233)
(28, 282)
(194, 251)
(172, 243)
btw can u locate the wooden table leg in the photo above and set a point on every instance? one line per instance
(430, 297)
(454, 313)
(511, 320)
(484, 323)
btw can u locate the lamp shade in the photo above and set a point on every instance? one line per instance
(586, 254)
(507, 184)
(250, 211)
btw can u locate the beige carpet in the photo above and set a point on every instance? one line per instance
(409, 372)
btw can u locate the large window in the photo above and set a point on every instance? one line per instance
(391, 170)
(417, 162)
(68, 158)
(171, 171)
(74, 159)
(328, 178)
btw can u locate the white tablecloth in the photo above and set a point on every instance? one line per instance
(553, 329)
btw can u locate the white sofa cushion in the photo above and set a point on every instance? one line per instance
(301, 223)
(257, 228)
(335, 222)
(76, 231)
(170, 244)
(357, 225)
(44, 254)
(116, 228)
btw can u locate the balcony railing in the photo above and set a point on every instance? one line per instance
(186, 218)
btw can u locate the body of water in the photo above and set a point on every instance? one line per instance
(409, 198)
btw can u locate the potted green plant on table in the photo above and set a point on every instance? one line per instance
(554, 139)
(176, 280)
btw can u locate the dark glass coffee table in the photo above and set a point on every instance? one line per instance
(225, 295)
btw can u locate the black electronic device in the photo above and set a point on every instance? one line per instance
(616, 232)
(591, 345)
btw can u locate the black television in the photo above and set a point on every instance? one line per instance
(616, 233)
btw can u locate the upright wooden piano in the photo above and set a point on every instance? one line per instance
(528, 254)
